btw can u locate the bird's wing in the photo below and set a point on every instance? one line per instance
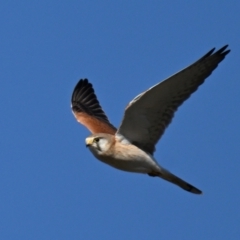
(148, 115)
(87, 109)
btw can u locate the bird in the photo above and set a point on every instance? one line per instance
(131, 147)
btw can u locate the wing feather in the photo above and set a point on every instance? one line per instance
(148, 115)
(87, 109)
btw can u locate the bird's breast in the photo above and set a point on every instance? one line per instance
(129, 158)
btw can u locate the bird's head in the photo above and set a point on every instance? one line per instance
(99, 143)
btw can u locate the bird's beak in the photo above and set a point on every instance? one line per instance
(89, 141)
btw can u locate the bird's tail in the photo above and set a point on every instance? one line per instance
(178, 181)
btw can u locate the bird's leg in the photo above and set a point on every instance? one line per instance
(153, 174)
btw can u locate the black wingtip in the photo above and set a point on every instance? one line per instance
(223, 48)
(82, 84)
(84, 99)
(209, 53)
(221, 52)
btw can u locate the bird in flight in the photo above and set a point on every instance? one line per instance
(130, 147)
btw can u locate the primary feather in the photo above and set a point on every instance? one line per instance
(148, 115)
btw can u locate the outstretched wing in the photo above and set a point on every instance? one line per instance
(148, 115)
(87, 109)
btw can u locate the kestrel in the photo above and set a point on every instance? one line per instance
(130, 147)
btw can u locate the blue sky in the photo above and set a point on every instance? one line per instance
(51, 186)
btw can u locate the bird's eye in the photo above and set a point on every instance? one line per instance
(96, 140)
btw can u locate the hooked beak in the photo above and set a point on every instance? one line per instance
(89, 141)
